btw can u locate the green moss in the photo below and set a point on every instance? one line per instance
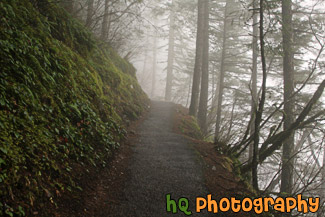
(190, 127)
(63, 101)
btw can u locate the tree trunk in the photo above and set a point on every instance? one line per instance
(314, 154)
(189, 90)
(198, 61)
(171, 54)
(104, 32)
(202, 114)
(278, 139)
(231, 122)
(288, 71)
(323, 181)
(68, 5)
(154, 63)
(259, 111)
(144, 68)
(254, 77)
(90, 11)
(222, 75)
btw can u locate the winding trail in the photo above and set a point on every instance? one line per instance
(163, 162)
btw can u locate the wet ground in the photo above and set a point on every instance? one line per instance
(162, 162)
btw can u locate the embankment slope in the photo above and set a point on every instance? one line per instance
(65, 100)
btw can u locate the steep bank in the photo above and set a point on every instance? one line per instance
(221, 172)
(65, 100)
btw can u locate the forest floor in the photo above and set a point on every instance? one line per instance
(157, 159)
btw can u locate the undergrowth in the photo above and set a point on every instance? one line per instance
(186, 124)
(63, 102)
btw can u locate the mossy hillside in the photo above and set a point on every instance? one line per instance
(64, 103)
(186, 124)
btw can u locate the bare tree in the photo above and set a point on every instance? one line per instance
(222, 74)
(203, 104)
(171, 53)
(90, 12)
(198, 61)
(288, 70)
(275, 141)
(259, 110)
(105, 23)
(254, 74)
(154, 63)
(68, 5)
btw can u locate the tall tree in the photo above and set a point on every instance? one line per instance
(68, 5)
(171, 53)
(105, 27)
(90, 12)
(222, 73)
(198, 61)
(154, 62)
(254, 75)
(145, 62)
(288, 81)
(259, 110)
(323, 180)
(203, 104)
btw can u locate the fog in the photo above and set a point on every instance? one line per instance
(308, 74)
(258, 96)
(249, 74)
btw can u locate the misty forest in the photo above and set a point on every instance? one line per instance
(120, 108)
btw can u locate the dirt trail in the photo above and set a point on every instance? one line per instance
(163, 162)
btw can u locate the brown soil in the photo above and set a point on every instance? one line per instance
(219, 174)
(102, 187)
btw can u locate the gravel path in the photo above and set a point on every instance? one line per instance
(163, 163)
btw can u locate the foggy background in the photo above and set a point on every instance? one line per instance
(159, 38)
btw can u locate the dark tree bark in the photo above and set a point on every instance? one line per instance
(189, 91)
(68, 5)
(277, 140)
(259, 111)
(323, 181)
(154, 64)
(203, 104)
(222, 75)
(144, 68)
(231, 119)
(171, 54)
(104, 32)
(288, 73)
(300, 122)
(254, 76)
(90, 11)
(198, 61)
